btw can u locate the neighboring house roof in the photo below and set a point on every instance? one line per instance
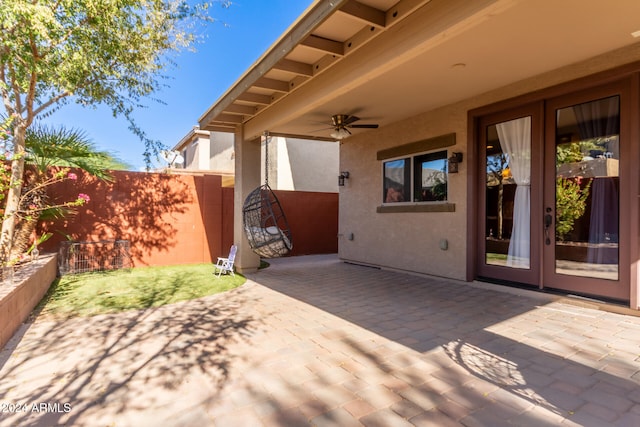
(191, 136)
(388, 60)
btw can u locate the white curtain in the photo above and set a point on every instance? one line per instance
(515, 141)
(602, 119)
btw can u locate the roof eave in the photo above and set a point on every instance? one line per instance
(315, 15)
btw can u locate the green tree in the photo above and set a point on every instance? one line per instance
(571, 200)
(568, 153)
(110, 52)
(496, 166)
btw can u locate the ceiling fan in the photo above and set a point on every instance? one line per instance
(342, 122)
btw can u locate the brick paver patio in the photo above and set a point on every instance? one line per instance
(314, 341)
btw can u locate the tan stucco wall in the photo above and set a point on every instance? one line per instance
(221, 154)
(408, 241)
(295, 164)
(303, 164)
(411, 241)
(313, 165)
(190, 155)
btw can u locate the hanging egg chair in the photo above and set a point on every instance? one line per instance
(265, 224)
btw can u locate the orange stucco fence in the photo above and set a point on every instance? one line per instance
(180, 219)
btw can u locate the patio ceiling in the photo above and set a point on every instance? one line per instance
(387, 60)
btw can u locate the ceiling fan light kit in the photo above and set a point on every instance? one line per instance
(343, 121)
(340, 133)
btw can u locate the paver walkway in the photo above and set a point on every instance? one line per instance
(313, 341)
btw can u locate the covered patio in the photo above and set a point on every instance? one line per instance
(316, 341)
(433, 102)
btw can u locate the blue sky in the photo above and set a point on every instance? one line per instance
(242, 34)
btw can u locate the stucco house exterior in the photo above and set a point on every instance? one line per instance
(294, 164)
(507, 145)
(196, 149)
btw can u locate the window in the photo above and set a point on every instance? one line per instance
(424, 176)
(430, 177)
(397, 181)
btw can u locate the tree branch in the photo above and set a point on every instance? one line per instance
(50, 102)
(16, 90)
(5, 93)
(33, 81)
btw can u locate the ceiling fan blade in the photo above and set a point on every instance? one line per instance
(349, 119)
(364, 126)
(323, 129)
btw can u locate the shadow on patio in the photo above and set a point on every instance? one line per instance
(455, 353)
(313, 341)
(126, 367)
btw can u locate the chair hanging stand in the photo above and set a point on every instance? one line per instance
(265, 224)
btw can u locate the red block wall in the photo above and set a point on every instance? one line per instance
(168, 219)
(313, 219)
(180, 219)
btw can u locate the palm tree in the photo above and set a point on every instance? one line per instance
(49, 148)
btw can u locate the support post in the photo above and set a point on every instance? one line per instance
(247, 178)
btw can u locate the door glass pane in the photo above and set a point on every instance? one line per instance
(508, 194)
(587, 189)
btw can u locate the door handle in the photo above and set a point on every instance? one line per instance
(548, 221)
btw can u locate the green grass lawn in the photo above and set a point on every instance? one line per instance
(496, 257)
(89, 294)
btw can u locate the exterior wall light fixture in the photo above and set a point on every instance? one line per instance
(342, 177)
(454, 160)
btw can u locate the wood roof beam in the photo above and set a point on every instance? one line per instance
(216, 127)
(228, 118)
(367, 14)
(241, 109)
(272, 84)
(300, 68)
(324, 45)
(254, 98)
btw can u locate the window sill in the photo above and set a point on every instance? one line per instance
(426, 207)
